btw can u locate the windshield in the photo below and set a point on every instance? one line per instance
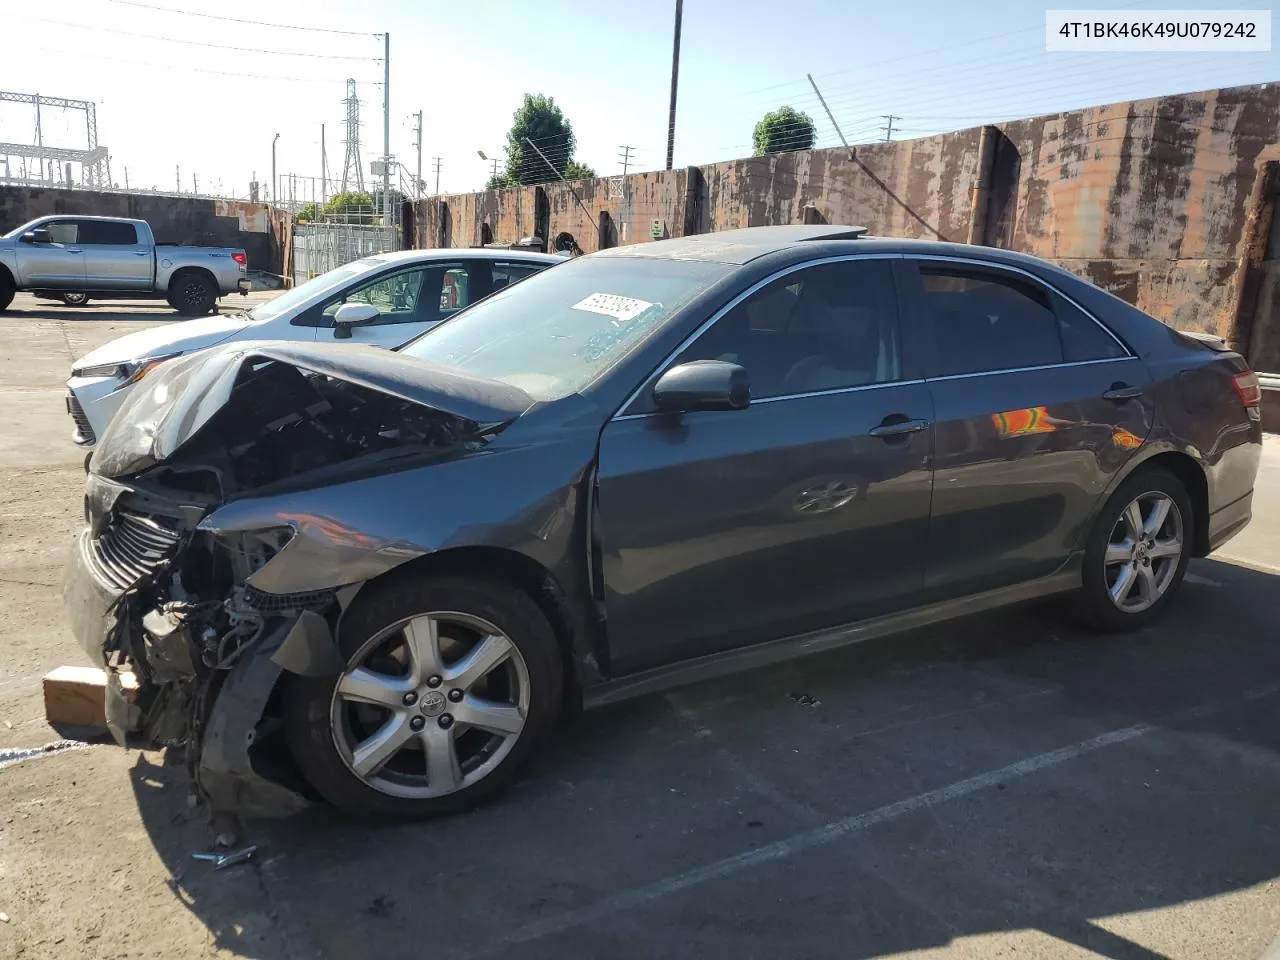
(287, 301)
(555, 332)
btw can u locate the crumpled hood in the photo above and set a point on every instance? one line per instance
(170, 338)
(171, 405)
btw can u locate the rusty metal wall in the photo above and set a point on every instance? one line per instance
(1149, 199)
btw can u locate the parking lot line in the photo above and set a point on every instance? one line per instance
(846, 826)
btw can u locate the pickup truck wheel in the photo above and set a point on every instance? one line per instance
(192, 295)
(73, 299)
(6, 290)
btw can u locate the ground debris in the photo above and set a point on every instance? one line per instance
(805, 699)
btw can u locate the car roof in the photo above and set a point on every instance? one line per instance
(465, 253)
(809, 241)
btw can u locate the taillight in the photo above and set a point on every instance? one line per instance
(1247, 389)
(240, 258)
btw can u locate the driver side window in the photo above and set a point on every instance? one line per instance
(63, 231)
(821, 328)
(398, 298)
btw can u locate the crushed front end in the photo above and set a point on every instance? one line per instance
(168, 582)
(150, 593)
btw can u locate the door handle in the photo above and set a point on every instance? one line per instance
(73, 250)
(142, 253)
(1121, 392)
(890, 431)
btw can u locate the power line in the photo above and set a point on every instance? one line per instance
(251, 23)
(201, 43)
(626, 157)
(888, 126)
(179, 66)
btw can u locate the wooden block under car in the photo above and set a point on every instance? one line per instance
(76, 696)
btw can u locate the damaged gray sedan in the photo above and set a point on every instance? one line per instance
(379, 577)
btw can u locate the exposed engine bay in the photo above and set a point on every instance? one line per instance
(163, 594)
(282, 423)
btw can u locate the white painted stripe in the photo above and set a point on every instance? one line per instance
(837, 830)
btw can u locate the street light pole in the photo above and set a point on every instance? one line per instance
(273, 197)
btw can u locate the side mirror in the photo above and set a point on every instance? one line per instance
(38, 235)
(352, 315)
(702, 385)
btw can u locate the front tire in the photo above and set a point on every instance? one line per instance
(1138, 551)
(450, 684)
(192, 295)
(73, 298)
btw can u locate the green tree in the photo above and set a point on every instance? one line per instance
(539, 120)
(309, 214)
(573, 170)
(783, 129)
(353, 206)
(499, 181)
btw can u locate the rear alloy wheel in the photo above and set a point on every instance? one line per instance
(192, 295)
(1138, 552)
(74, 298)
(436, 708)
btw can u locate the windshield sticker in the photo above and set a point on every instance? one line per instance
(619, 308)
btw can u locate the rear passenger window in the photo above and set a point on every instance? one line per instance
(115, 234)
(985, 322)
(1082, 337)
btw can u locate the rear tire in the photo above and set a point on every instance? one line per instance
(192, 295)
(332, 731)
(1137, 552)
(6, 290)
(75, 299)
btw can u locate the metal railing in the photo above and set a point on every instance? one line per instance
(323, 246)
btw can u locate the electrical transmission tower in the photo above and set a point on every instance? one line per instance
(94, 164)
(352, 172)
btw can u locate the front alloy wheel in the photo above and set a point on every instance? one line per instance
(431, 705)
(450, 684)
(1144, 551)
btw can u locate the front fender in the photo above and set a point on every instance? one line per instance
(521, 498)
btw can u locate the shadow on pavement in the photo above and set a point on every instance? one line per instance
(700, 823)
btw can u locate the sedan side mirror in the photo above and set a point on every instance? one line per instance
(702, 385)
(352, 315)
(38, 235)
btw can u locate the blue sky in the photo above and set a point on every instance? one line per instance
(186, 101)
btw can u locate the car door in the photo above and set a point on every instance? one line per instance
(58, 264)
(808, 508)
(410, 300)
(113, 258)
(1037, 405)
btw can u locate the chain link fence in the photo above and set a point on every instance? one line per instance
(322, 246)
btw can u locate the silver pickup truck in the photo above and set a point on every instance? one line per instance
(75, 258)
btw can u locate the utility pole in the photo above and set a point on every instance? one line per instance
(386, 129)
(417, 142)
(675, 81)
(195, 185)
(177, 173)
(126, 179)
(888, 127)
(626, 158)
(494, 172)
(324, 163)
(436, 161)
(274, 183)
